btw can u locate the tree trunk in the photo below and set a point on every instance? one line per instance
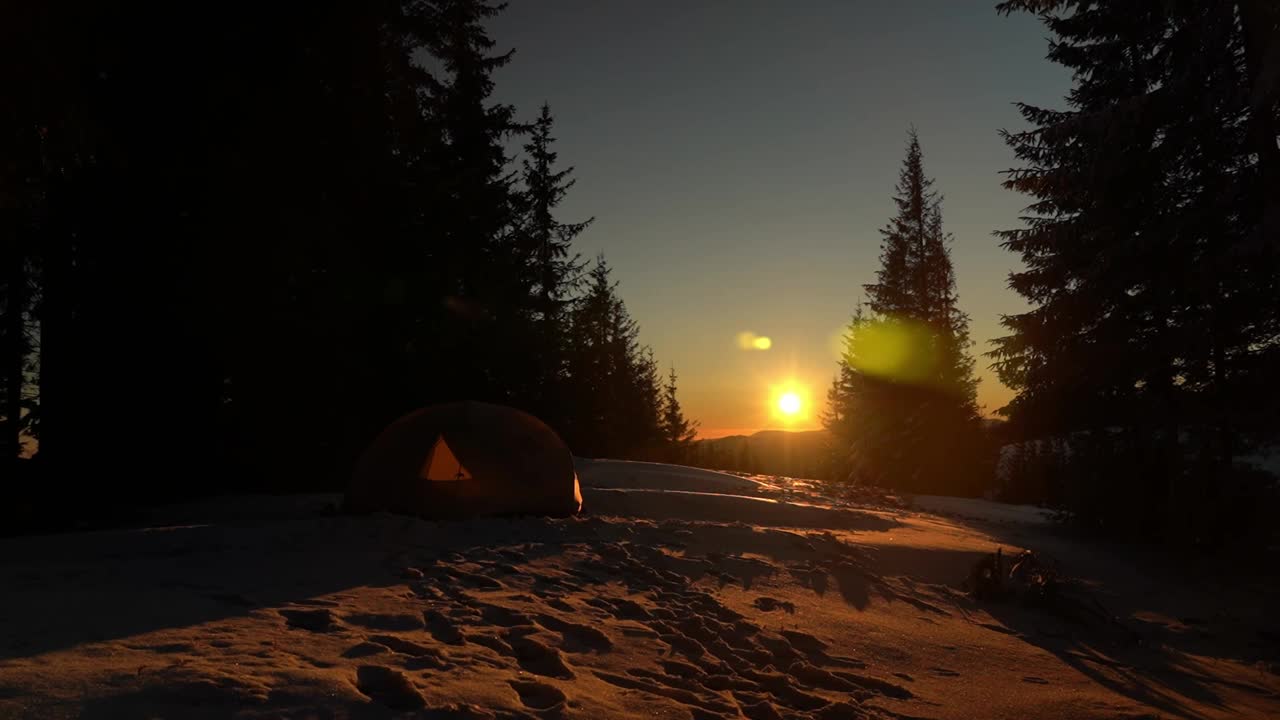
(15, 345)
(1261, 24)
(1222, 398)
(55, 354)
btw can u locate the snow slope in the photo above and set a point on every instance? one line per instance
(678, 594)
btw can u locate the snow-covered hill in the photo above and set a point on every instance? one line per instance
(679, 593)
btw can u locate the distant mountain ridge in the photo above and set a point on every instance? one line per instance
(768, 452)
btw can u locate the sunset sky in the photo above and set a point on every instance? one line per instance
(740, 156)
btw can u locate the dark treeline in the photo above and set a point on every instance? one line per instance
(1146, 365)
(237, 242)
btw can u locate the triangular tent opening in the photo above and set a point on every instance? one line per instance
(442, 465)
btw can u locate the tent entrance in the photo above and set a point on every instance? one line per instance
(442, 465)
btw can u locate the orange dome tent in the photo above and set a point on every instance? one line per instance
(466, 459)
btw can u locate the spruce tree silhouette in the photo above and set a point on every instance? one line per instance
(915, 431)
(1153, 330)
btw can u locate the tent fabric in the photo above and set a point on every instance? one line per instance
(466, 459)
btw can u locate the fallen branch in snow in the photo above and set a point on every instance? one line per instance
(1034, 580)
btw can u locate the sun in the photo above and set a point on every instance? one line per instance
(789, 403)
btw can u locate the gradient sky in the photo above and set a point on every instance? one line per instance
(740, 155)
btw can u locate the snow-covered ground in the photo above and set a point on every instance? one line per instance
(974, 509)
(679, 593)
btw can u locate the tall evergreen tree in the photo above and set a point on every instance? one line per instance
(1148, 263)
(908, 423)
(872, 421)
(615, 380)
(556, 269)
(642, 418)
(844, 443)
(487, 288)
(677, 431)
(902, 287)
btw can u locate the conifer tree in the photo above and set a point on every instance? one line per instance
(677, 431)
(901, 287)
(615, 380)
(486, 287)
(913, 427)
(642, 414)
(1152, 286)
(872, 421)
(547, 245)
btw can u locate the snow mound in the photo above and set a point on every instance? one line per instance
(985, 510)
(627, 474)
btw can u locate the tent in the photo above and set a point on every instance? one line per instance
(466, 459)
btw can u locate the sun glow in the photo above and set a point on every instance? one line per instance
(789, 403)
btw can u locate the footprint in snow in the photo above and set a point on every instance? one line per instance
(320, 620)
(442, 628)
(365, 649)
(388, 687)
(539, 696)
(385, 621)
(768, 604)
(576, 636)
(539, 659)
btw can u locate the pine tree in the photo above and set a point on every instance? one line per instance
(677, 432)
(834, 461)
(942, 314)
(840, 416)
(614, 379)
(549, 242)
(487, 287)
(916, 279)
(901, 287)
(872, 421)
(1152, 288)
(547, 245)
(913, 425)
(642, 416)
